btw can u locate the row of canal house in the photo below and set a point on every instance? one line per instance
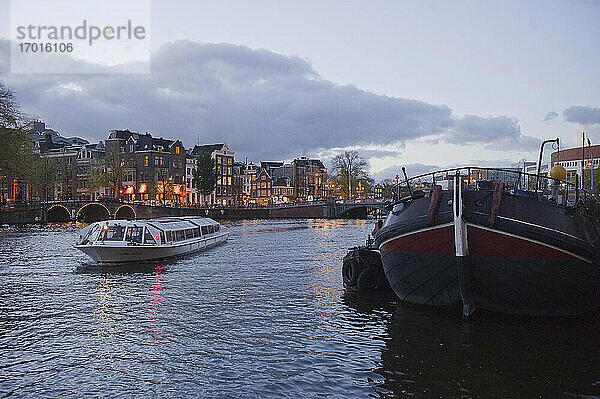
(161, 169)
(156, 168)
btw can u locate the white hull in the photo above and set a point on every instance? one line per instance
(135, 253)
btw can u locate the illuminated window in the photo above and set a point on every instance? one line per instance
(146, 160)
(156, 161)
(176, 150)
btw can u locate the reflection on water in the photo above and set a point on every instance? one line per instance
(155, 307)
(102, 315)
(263, 316)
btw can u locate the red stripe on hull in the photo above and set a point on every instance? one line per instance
(489, 243)
(433, 241)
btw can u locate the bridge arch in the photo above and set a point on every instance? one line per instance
(58, 213)
(125, 212)
(92, 212)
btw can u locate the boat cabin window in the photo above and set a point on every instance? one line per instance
(114, 233)
(180, 236)
(216, 228)
(148, 239)
(134, 235)
(92, 232)
(189, 233)
(204, 230)
(162, 237)
(170, 237)
(197, 232)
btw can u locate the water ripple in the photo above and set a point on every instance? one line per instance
(262, 316)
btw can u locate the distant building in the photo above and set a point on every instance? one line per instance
(309, 179)
(154, 167)
(575, 161)
(192, 192)
(282, 190)
(263, 187)
(45, 139)
(73, 156)
(223, 194)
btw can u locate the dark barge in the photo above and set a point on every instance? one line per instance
(489, 243)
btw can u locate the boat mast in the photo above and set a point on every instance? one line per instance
(537, 178)
(406, 179)
(582, 158)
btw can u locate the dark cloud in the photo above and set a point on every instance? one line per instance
(264, 105)
(550, 115)
(496, 132)
(583, 115)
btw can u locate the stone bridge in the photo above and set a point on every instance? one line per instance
(89, 211)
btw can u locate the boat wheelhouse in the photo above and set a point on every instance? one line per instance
(117, 241)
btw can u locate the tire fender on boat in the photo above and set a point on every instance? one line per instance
(368, 281)
(351, 270)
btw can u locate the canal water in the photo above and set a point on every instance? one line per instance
(264, 315)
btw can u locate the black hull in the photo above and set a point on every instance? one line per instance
(418, 259)
(423, 279)
(525, 257)
(528, 278)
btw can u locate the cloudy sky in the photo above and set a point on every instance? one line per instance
(420, 83)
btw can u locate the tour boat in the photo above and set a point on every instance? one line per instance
(117, 241)
(495, 244)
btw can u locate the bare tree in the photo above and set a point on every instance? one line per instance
(109, 172)
(351, 168)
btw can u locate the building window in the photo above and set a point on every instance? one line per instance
(177, 150)
(218, 159)
(155, 161)
(146, 160)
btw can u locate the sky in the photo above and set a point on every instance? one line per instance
(423, 84)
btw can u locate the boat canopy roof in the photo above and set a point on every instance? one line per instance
(167, 223)
(179, 223)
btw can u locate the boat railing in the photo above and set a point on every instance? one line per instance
(567, 193)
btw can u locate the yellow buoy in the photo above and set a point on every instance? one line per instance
(558, 172)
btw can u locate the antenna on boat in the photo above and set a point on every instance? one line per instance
(537, 178)
(406, 180)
